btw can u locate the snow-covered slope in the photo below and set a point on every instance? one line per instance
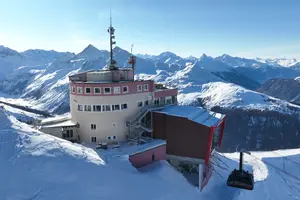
(276, 176)
(286, 89)
(58, 169)
(38, 166)
(228, 95)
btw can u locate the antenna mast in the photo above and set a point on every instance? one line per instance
(111, 31)
(132, 60)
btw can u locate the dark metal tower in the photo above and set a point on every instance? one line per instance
(111, 31)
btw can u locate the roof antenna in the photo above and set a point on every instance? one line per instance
(132, 60)
(111, 31)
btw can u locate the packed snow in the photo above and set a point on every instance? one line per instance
(276, 176)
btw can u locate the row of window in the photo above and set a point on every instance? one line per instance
(68, 134)
(94, 139)
(140, 103)
(108, 90)
(102, 108)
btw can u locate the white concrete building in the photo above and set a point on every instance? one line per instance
(105, 103)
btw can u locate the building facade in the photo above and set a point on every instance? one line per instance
(104, 103)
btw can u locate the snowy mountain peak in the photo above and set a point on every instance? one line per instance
(204, 56)
(90, 52)
(278, 62)
(119, 50)
(5, 51)
(224, 56)
(167, 54)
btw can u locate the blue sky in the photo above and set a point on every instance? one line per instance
(254, 28)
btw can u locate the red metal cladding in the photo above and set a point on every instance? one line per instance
(211, 132)
(147, 157)
(222, 132)
(165, 93)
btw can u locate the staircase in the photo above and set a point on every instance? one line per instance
(137, 124)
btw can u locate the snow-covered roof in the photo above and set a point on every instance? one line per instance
(59, 118)
(127, 149)
(196, 114)
(61, 124)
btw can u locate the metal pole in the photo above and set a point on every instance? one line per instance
(241, 161)
(110, 35)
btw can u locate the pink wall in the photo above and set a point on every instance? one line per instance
(165, 93)
(132, 86)
(145, 158)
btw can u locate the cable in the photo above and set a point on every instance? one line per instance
(284, 157)
(277, 168)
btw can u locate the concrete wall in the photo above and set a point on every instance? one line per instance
(105, 120)
(145, 158)
(58, 132)
(55, 131)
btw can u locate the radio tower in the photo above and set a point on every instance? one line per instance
(111, 31)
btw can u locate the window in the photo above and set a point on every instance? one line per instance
(140, 104)
(117, 90)
(124, 106)
(106, 108)
(97, 108)
(125, 89)
(139, 88)
(73, 89)
(169, 100)
(146, 103)
(79, 90)
(145, 87)
(107, 90)
(88, 108)
(71, 133)
(94, 139)
(93, 126)
(114, 124)
(97, 90)
(174, 99)
(79, 107)
(116, 107)
(68, 134)
(87, 90)
(109, 138)
(114, 137)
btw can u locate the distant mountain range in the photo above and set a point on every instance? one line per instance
(225, 84)
(286, 89)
